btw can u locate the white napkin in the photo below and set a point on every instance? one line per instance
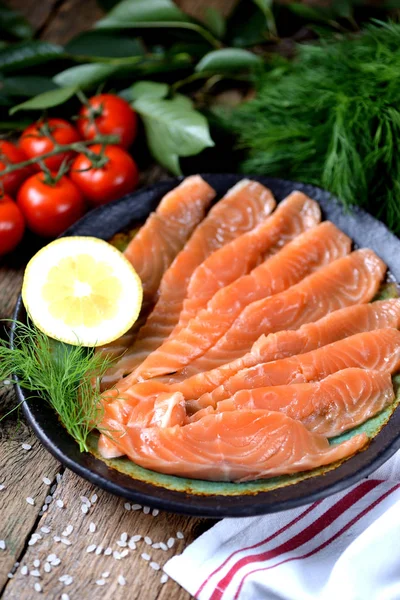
(346, 547)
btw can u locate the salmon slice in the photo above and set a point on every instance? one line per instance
(308, 252)
(294, 215)
(353, 279)
(232, 446)
(243, 207)
(378, 350)
(335, 326)
(166, 230)
(329, 407)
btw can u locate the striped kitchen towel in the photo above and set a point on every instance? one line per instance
(345, 547)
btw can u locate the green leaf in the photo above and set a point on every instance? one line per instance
(27, 85)
(266, 7)
(14, 23)
(228, 59)
(215, 22)
(104, 44)
(134, 12)
(46, 100)
(342, 8)
(173, 129)
(246, 26)
(28, 54)
(148, 89)
(311, 13)
(84, 76)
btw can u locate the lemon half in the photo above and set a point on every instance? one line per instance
(82, 291)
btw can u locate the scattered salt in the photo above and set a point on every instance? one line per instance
(155, 512)
(155, 566)
(36, 563)
(44, 507)
(179, 535)
(64, 597)
(164, 578)
(47, 567)
(146, 510)
(66, 541)
(136, 507)
(46, 481)
(24, 570)
(2, 545)
(91, 548)
(94, 498)
(124, 553)
(116, 555)
(84, 508)
(58, 477)
(127, 506)
(101, 582)
(51, 557)
(99, 550)
(38, 587)
(57, 539)
(121, 544)
(85, 500)
(132, 545)
(92, 527)
(121, 580)
(56, 562)
(145, 556)
(68, 530)
(60, 504)
(156, 546)
(2, 487)
(45, 529)
(124, 536)
(48, 499)
(26, 446)
(106, 574)
(30, 501)
(108, 551)
(163, 546)
(136, 538)
(34, 573)
(171, 542)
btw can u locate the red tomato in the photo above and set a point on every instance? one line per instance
(9, 153)
(12, 225)
(39, 138)
(117, 177)
(50, 208)
(109, 115)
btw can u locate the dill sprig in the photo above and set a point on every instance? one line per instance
(331, 117)
(67, 377)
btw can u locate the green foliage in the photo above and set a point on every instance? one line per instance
(134, 12)
(28, 54)
(46, 100)
(332, 117)
(60, 374)
(104, 44)
(14, 24)
(228, 60)
(215, 22)
(173, 127)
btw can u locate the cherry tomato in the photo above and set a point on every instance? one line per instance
(9, 153)
(38, 139)
(109, 115)
(12, 225)
(117, 177)
(50, 209)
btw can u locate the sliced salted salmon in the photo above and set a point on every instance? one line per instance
(335, 326)
(242, 208)
(353, 279)
(378, 350)
(308, 252)
(329, 407)
(166, 230)
(294, 215)
(231, 446)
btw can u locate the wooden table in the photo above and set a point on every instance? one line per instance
(22, 471)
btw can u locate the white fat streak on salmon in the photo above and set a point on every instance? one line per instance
(350, 280)
(329, 407)
(335, 326)
(223, 223)
(378, 350)
(307, 253)
(232, 446)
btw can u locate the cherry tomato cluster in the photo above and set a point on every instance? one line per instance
(52, 192)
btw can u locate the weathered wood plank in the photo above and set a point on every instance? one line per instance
(37, 13)
(71, 18)
(111, 520)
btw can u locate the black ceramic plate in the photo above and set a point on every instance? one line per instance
(206, 498)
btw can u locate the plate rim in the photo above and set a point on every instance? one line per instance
(212, 505)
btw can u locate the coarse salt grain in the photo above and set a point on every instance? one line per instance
(64, 597)
(94, 498)
(46, 481)
(121, 580)
(38, 587)
(45, 529)
(171, 542)
(10, 575)
(124, 536)
(66, 541)
(163, 546)
(164, 578)
(32, 541)
(136, 507)
(68, 530)
(36, 563)
(99, 550)
(2, 487)
(26, 446)
(148, 540)
(92, 527)
(121, 544)
(155, 512)
(101, 582)
(2, 545)
(136, 538)
(53, 488)
(48, 499)
(145, 556)
(44, 507)
(108, 551)
(34, 573)
(58, 477)
(30, 501)
(116, 555)
(106, 574)
(91, 548)
(24, 570)
(56, 562)
(51, 557)
(127, 506)
(124, 553)
(84, 500)
(60, 504)
(84, 508)
(146, 510)
(132, 545)
(155, 566)
(68, 580)
(57, 539)
(47, 567)
(179, 535)
(156, 546)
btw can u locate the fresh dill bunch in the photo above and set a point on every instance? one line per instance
(331, 117)
(67, 377)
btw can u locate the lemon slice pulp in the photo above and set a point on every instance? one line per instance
(82, 290)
